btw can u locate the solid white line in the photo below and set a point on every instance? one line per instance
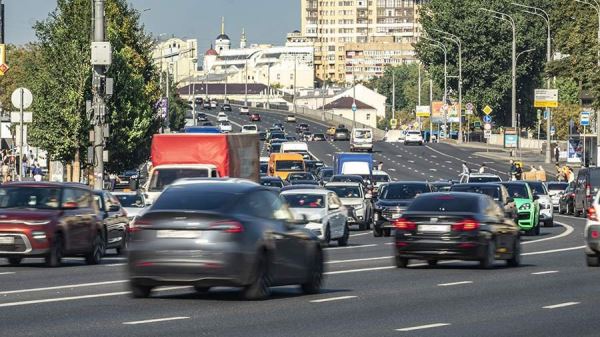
(62, 287)
(454, 283)
(568, 230)
(351, 247)
(553, 251)
(8, 273)
(360, 260)
(62, 299)
(358, 270)
(114, 265)
(561, 305)
(545, 272)
(156, 320)
(421, 327)
(333, 299)
(360, 234)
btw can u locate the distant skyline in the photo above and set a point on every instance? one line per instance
(265, 21)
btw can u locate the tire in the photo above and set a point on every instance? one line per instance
(592, 261)
(343, 241)
(315, 276)
(122, 250)
(377, 232)
(560, 210)
(55, 255)
(515, 259)
(536, 230)
(432, 263)
(327, 236)
(549, 223)
(140, 291)
(387, 232)
(401, 262)
(488, 261)
(95, 256)
(15, 261)
(259, 288)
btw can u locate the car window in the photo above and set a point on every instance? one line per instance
(557, 186)
(489, 179)
(29, 197)
(595, 177)
(99, 203)
(445, 203)
(517, 191)
(403, 191)
(491, 191)
(538, 188)
(346, 191)
(190, 198)
(276, 205)
(305, 200)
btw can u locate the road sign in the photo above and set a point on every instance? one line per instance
(3, 66)
(584, 118)
(546, 98)
(470, 106)
(552, 130)
(487, 126)
(545, 115)
(15, 117)
(487, 110)
(423, 111)
(393, 123)
(21, 98)
(354, 108)
(487, 119)
(487, 134)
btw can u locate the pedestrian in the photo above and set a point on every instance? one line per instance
(5, 172)
(571, 175)
(24, 167)
(380, 166)
(519, 172)
(556, 154)
(482, 168)
(37, 173)
(513, 170)
(465, 168)
(113, 181)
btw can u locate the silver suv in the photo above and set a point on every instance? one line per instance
(359, 205)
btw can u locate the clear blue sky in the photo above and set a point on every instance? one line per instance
(266, 21)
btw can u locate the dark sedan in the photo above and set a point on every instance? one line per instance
(456, 225)
(567, 200)
(341, 134)
(224, 232)
(272, 182)
(496, 191)
(115, 223)
(226, 107)
(394, 199)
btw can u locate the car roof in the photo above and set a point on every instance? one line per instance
(306, 191)
(343, 184)
(408, 183)
(483, 175)
(226, 185)
(44, 184)
(133, 193)
(497, 184)
(377, 172)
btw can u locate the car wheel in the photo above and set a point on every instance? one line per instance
(401, 262)
(515, 259)
(432, 263)
(123, 248)
(377, 232)
(55, 255)
(259, 288)
(15, 261)
(549, 223)
(387, 232)
(592, 260)
(343, 241)
(488, 260)
(315, 277)
(536, 230)
(140, 291)
(98, 248)
(327, 236)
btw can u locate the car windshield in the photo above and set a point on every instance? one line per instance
(250, 127)
(346, 191)
(289, 165)
(225, 124)
(347, 179)
(380, 178)
(166, 176)
(484, 179)
(557, 186)
(492, 191)
(517, 191)
(326, 173)
(191, 198)
(538, 188)
(362, 134)
(403, 191)
(445, 203)
(127, 200)
(29, 197)
(264, 168)
(304, 200)
(301, 176)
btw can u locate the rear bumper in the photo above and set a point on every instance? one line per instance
(441, 250)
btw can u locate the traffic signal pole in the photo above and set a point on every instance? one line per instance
(99, 104)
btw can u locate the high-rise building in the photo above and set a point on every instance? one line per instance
(334, 25)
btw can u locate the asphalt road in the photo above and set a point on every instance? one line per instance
(552, 294)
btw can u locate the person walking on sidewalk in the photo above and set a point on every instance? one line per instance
(519, 173)
(556, 154)
(513, 170)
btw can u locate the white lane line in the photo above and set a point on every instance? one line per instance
(156, 320)
(351, 247)
(553, 251)
(358, 270)
(114, 265)
(62, 287)
(561, 305)
(454, 283)
(8, 273)
(333, 299)
(392, 169)
(360, 234)
(568, 230)
(360, 260)
(421, 327)
(545, 272)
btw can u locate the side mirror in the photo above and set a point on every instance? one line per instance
(70, 205)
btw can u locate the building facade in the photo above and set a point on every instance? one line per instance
(335, 24)
(177, 57)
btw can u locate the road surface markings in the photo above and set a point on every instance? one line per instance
(568, 231)
(448, 162)
(554, 251)
(333, 299)
(360, 234)
(421, 327)
(561, 305)
(358, 270)
(360, 260)
(432, 169)
(114, 265)
(392, 169)
(62, 287)
(545, 272)
(411, 161)
(352, 247)
(156, 320)
(454, 283)
(8, 273)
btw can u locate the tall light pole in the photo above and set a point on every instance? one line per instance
(511, 20)
(443, 47)
(246, 83)
(458, 41)
(544, 15)
(194, 63)
(295, 62)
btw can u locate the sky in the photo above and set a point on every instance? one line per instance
(265, 21)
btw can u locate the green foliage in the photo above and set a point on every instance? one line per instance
(568, 90)
(18, 59)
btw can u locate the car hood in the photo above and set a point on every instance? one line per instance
(310, 213)
(393, 203)
(7, 215)
(521, 201)
(134, 211)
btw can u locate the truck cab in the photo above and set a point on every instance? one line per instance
(282, 164)
(164, 175)
(361, 140)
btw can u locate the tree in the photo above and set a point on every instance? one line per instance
(17, 76)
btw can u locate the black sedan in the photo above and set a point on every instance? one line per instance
(496, 191)
(456, 225)
(226, 107)
(271, 182)
(222, 233)
(115, 222)
(394, 198)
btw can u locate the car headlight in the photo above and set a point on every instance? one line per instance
(525, 207)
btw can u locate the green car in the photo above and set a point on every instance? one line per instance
(528, 208)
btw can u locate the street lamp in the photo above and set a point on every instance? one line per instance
(457, 40)
(511, 20)
(443, 47)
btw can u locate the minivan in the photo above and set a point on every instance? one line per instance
(361, 139)
(586, 187)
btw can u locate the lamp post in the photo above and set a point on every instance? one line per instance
(443, 47)
(511, 20)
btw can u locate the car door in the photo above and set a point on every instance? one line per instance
(337, 221)
(580, 190)
(111, 215)
(88, 215)
(501, 229)
(75, 230)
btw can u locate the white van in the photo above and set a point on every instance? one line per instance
(295, 147)
(361, 140)
(250, 128)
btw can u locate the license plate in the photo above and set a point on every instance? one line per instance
(173, 234)
(7, 240)
(434, 228)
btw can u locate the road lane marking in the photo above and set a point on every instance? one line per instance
(561, 305)
(114, 265)
(360, 260)
(156, 320)
(8, 273)
(545, 272)
(568, 230)
(553, 251)
(351, 247)
(81, 285)
(454, 283)
(358, 270)
(421, 327)
(333, 299)
(360, 234)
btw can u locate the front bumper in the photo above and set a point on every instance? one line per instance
(546, 214)
(526, 220)
(362, 146)
(23, 243)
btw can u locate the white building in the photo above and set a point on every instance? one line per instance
(178, 57)
(315, 99)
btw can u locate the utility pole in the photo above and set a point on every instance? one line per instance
(246, 84)
(295, 62)
(458, 41)
(393, 94)
(226, 79)
(353, 95)
(194, 63)
(268, 86)
(431, 110)
(324, 89)
(1, 22)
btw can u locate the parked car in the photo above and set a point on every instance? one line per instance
(324, 212)
(495, 191)
(567, 200)
(239, 223)
(528, 208)
(115, 221)
(393, 200)
(255, 117)
(244, 110)
(49, 220)
(356, 200)
(290, 119)
(546, 209)
(586, 187)
(556, 189)
(456, 225)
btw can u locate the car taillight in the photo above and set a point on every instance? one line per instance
(591, 214)
(466, 225)
(228, 226)
(588, 190)
(594, 234)
(405, 225)
(138, 224)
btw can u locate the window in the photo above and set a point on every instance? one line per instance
(81, 197)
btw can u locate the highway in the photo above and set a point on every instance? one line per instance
(552, 294)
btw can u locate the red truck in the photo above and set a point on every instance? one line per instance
(186, 155)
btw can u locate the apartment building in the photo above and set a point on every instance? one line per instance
(336, 25)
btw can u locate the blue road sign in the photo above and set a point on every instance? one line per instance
(487, 119)
(546, 114)
(584, 118)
